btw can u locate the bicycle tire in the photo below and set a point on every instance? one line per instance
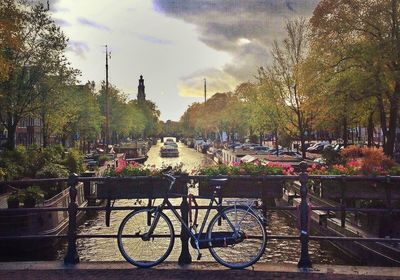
(245, 253)
(145, 253)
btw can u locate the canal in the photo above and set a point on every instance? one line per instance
(278, 251)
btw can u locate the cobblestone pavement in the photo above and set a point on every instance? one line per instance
(208, 271)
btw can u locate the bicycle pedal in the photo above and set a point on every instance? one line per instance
(199, 256)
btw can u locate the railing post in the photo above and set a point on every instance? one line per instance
(87, 184)
(343, 187)
(72, 255)
(185, 257)
(304, 261)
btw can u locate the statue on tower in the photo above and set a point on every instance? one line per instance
(141, 96)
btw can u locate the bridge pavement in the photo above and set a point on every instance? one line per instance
(198, 270)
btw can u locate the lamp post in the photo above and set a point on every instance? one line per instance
(107, 107)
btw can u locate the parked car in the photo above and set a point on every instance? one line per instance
(234, 145)
(260, 149)
(318, 147)
(338, 147)
(285, 153)
(246, 146)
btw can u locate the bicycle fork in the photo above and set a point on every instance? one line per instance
(146, 236)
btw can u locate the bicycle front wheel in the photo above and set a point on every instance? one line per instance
(252, 245)
(139, 247)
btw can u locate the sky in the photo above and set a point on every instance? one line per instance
(174, 44)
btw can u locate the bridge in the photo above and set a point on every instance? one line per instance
(198, 270)
(73, 269)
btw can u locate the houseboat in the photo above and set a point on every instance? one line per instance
(169, 151)
(135, 151)
(14, 223)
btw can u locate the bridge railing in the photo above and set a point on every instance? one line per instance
(303, 210)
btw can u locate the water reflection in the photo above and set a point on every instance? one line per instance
(189, 157)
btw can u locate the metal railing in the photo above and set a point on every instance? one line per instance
(304, 210)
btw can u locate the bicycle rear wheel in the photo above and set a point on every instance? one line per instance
(246, 252)
(145, 250)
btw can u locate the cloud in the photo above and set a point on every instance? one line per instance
(77, 47)
(217, 81)
(61, 22)
(244, 29)
(154, 40)
(93, 24)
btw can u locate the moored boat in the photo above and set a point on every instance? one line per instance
(37, 224)
(134, 152)
(169, 151)
(140, 160)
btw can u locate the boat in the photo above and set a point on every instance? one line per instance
(169, 151)
(37, 224)
(140, 160)
(190, 142)
(133, 152)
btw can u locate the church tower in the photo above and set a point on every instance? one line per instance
(141, 96)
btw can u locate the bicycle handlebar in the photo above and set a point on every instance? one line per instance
(167, 173)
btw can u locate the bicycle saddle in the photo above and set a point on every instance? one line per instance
(218, 182)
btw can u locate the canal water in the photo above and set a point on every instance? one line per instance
(278, 251)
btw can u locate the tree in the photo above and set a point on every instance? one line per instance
(129, 118)
(368, 36)
(286, 78)
(10, 39)
(151, 115)
(86, 121)
(56, 102)
(31, 50)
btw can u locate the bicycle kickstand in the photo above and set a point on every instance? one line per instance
(198, 250)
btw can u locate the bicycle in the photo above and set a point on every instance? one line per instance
(235, 237)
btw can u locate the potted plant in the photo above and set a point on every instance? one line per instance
(150, 184)
(241, 183)
(13, 199)
(31, 196)
(103, 159)
(360, 162)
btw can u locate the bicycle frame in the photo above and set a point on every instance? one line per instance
(167, 204)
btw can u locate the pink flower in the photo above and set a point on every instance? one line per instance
(353, 163)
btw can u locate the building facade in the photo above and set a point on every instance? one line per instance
(29, 132)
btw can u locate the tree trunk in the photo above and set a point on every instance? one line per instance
(45, 131)
(393, 112)
(370, 130)
(11, 136)
(345, 135)
(382, 115)
(276, 142)
(301, 132)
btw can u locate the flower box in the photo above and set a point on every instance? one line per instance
(359, 190)
(149, 187)
(240, 188)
